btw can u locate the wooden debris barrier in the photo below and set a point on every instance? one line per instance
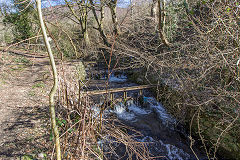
(114, 90)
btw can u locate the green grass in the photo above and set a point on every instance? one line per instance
(3, 78)
(27, 157)
(17, 68)
(31, 93)
(22, 60)
(39, 85)
(2, 82)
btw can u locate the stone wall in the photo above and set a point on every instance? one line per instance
(6, 35)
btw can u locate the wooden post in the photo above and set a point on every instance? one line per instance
(125, 97)
(112, 99)
(79, 93)
(112, 96)
(66, 94)
(140, 97)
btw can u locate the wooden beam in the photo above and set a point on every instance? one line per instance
(114, 90)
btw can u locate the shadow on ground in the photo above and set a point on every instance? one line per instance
(27, 134)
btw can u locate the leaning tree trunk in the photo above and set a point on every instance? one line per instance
(54, 88)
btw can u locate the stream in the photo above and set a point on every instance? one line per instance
(164, 136)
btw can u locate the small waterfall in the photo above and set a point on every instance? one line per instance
(134, 114)
(120, 110)
(152, 105)
(158, 128)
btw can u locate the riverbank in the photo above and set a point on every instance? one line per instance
(200, 123)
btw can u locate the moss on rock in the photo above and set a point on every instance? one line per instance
(80, 72)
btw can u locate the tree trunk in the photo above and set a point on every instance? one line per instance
(161, 22)
(84, 17)
(102, 7)
(113, 9)
(154, 7)
(100, 22)
(54, 88)
(131, 5)
(85, 31)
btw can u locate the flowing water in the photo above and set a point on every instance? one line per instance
(163, 135)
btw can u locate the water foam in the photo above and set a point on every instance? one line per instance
(172, 152)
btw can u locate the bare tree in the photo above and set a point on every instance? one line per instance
(82, 17)
(101, 20)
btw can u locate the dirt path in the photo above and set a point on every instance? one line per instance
(23, 106)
